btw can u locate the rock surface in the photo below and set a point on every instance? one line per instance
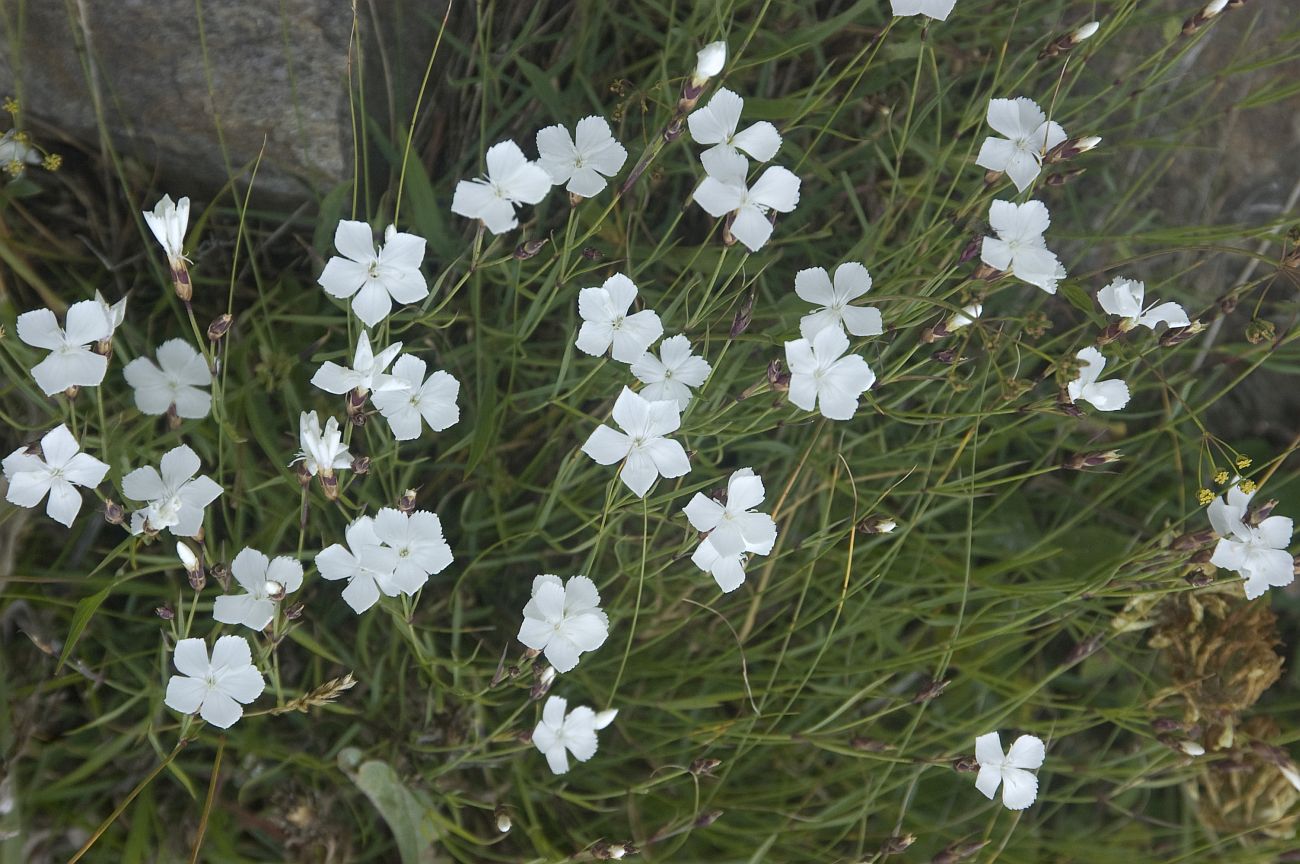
(275, 72)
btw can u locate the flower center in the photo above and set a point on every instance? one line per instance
(168, 512)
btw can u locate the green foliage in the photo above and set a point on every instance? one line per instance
(814, 683)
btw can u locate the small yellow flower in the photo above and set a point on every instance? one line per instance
(1247, 486)
(1243, 461)
(22, 137)
(1221, 477)
(13, 167)
(52, 162)
(1205, 496)
(11, 105)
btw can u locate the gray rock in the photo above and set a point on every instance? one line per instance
(275, 72)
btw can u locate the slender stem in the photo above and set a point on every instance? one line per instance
(207, 805)
(126, 802)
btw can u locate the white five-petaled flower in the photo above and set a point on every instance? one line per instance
(368, 566)
(71, 362)
(574, 732)
(168, 221)
(216, 689)
(511, 180)
(673, 373)
(726, 190)
(176, 499)
(1019, 245)
(822, 377)
(936, 9)
(716, 124)
(374, 279)
(1109, 395)
(606, 322)
(409, 396)
(564, 620)
(1257, 552)
(366, 374)
(265, 582)
(852, 280)
(733, 527)
(1123, 297)
(417, 539)
(641, 446)
(709, 61)
(584, 160)
(1012, 771)
(174, 380)
(60, 466)
(1030, 135)
(322, 452)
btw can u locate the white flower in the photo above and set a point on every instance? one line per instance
(606, 322)
(673, 373)
(822, 377)
(417, 539)
(716, 124)
(1030, 135)
(1109, 395)
(189, 560)
(584, 160)
(1257, 552)
(167, 222)
(115, 312)
(368, 566)
(366, 374)
(734, 527)
(176, 499)
(265, 581)
(60, 466)
(966, 316)
(645, 452)
(12, 150)
(851, 281)
(574, 732)
(215, 689)
(564, 620)
(322, 452)
(725, 190)
(936, 9)
(1123, 297)
(174, 380)
(70, 362)
(727, 570)
(1019, 246)
(408, 397)
(374, 279)
(511, 180)
(1011, 771)
(709, 61)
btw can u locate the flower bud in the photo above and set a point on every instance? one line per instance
(744, 316)
(1178, 335)
(529, 249)
(933, 689)
(361, 465)
(966, 316)
(707, 819)
(406, 504)
(701, 767)
(1080, 461)
(709, 61)
(591, 253)
(1061, 44)
(273, 590)
(193, 567)
(958, 852)
(503, 820)
(877, 525)
(1208, 11)
(164, 612)
(1191, 748)
(966, 765)
(294, 612)
(220, 326)
(972, 249)
(604, 718)
(544, 681)
(113, 512)
(221, 573)
(897, 844)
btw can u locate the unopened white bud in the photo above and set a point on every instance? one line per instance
(1191, 748)
(604, 718)
(547, 678)
(1292, 776)
(273, 590)
(503, 821)
(188, 558)
(967, 315)
(1086, 143)
(1214, 7)
(709, 62)
(1087, 31)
